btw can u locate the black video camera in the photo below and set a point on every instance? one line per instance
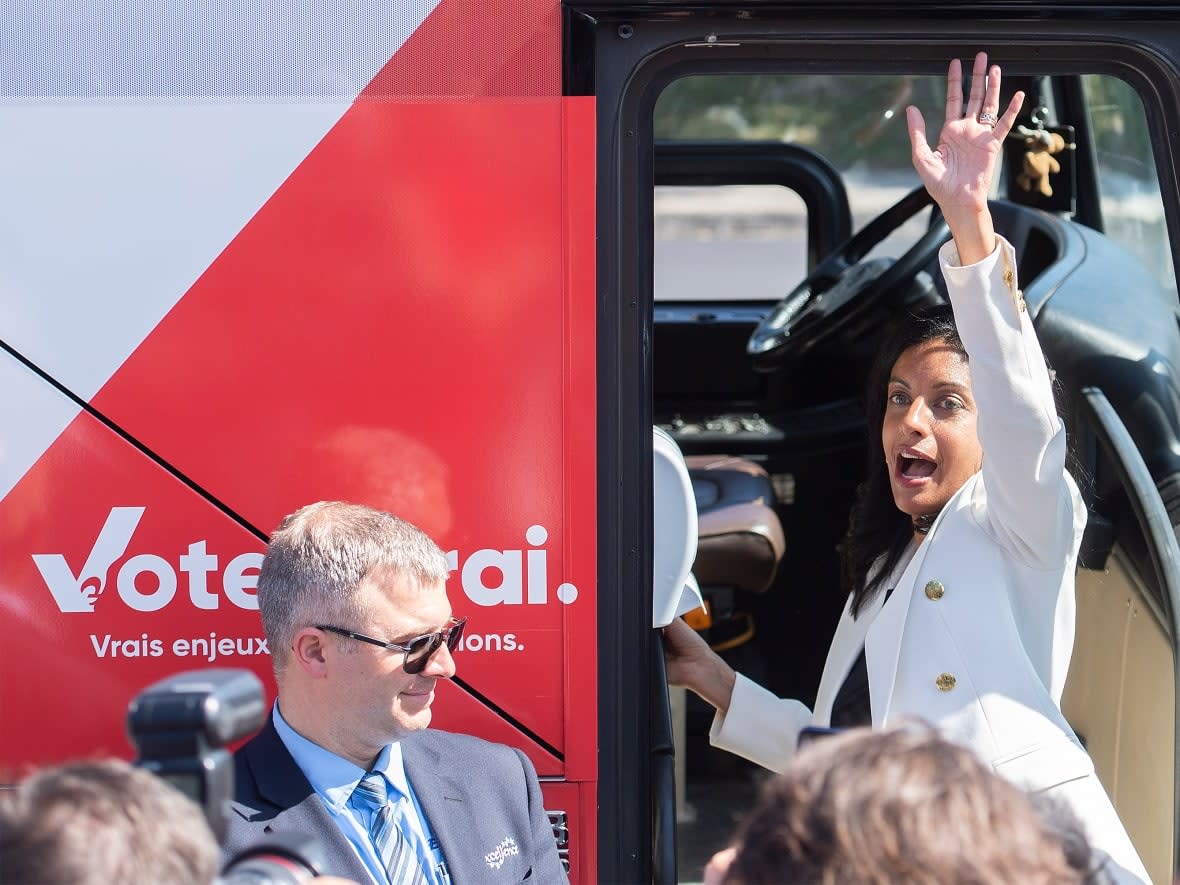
(180, 727)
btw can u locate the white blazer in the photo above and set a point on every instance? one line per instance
(978, 633)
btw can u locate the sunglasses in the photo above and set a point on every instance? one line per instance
(418, 650)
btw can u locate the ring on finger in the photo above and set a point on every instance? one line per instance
(987, 119)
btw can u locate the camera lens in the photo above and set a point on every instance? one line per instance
(266, 869)
(283, 859)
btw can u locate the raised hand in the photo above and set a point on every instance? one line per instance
(958, 172)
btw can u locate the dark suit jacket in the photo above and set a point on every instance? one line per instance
(482, 801)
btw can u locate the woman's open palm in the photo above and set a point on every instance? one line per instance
(958, 171)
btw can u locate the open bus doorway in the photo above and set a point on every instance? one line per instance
(749, 190)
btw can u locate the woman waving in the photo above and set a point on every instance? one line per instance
(960, 555)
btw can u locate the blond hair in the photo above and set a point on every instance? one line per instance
(903, 805)
(320, 555)
(102, 822)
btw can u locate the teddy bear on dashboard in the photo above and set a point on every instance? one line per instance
(1039, 162)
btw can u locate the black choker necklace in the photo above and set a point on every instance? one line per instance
(922, 523)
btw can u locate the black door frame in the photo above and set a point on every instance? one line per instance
(625, 54)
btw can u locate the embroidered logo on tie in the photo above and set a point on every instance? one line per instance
(496, 857)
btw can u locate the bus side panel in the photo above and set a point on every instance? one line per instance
(389, 328)
(115, 575)
(242, 284)
(580, 627)
(413, 359)
(577, 805)
(469, 48)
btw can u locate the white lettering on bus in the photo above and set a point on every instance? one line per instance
(517, 584)
(210, 648)
(148, 582)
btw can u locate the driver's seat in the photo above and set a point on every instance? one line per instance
(740, 542)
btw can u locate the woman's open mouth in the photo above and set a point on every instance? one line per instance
(914, 468)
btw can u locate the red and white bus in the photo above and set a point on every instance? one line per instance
(417, 255)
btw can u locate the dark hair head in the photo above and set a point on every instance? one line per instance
(876, 527)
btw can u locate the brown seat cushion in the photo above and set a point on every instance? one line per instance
(740, 539)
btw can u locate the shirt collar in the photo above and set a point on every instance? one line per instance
(334, 777)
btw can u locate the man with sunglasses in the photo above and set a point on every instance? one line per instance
(355, 610)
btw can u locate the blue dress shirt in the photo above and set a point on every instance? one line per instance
(334, 778)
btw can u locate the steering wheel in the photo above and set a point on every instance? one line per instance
(845, 286)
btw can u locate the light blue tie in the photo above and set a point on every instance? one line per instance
(397, 854)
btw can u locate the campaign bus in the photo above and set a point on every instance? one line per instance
(455, 260)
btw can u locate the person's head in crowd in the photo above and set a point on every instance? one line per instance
(103, 823)
(355, 610)
(903, 805)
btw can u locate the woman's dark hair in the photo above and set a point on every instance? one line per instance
(877, 530)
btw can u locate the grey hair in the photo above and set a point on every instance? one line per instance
(102, 822)
(320, 555)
